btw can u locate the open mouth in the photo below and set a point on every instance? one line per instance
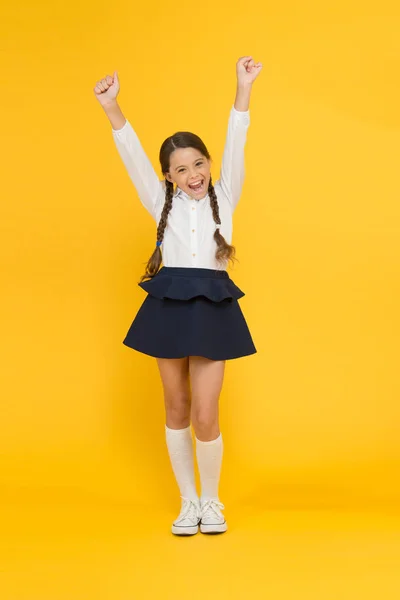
(197, 187)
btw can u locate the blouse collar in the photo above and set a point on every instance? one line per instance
(181, 194)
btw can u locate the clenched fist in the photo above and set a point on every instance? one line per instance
(106, 90)
(247, 70)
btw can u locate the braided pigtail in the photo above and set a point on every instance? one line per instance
(224, 250)
(155, 260)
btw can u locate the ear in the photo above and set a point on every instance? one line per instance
(168, 177)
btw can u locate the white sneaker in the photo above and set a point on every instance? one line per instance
(188, 520)
(212, 519)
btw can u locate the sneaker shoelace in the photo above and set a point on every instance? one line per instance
(212, 509)
(190, 510)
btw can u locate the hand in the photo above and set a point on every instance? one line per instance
(247, 70)
(106, 90)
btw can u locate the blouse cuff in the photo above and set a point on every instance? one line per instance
(241, 112)
(121, 129)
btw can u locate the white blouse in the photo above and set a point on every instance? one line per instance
(189, 234)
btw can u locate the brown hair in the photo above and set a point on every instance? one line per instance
(185, 139)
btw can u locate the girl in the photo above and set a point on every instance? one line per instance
(190, 320)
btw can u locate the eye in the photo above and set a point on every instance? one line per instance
(198, 163)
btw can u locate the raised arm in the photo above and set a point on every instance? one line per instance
(232, 167)
(138, 165)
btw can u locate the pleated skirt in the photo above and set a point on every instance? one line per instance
(190, 312)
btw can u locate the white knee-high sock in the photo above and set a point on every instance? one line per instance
(209, 460)
(180, 449)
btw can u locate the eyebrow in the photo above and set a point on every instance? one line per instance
(195, 161)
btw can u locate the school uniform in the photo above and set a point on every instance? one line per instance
(191, 308)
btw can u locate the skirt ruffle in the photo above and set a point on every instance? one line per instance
(176, 283)
(191, 312)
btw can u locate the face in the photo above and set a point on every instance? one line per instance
(188, 169)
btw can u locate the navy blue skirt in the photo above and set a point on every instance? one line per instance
(190, 312)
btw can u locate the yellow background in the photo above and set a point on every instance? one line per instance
(312, 420)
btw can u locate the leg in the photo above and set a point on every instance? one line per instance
(174, 374)
(175, 379)
(207, 378)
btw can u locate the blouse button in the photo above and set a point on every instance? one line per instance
(193, 208)
(192, 230)
(194, 255)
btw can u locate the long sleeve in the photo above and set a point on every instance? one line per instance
(138, 165)
(232, 167)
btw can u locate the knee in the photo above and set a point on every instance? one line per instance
(178, 411)
(205, 425)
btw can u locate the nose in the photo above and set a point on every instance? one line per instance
(193, 174)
